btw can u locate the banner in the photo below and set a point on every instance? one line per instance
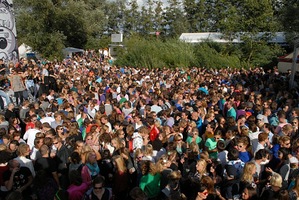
(8, 32)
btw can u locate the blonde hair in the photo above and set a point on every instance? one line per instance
(283, 139)
(137, 153)
(192, 124)
(247, 172)
(120, 163)
(288, 128)
(3, 147)
(2, 118)
(148, 150)
(118, 142)
(204, 166)
(22, 149)
(87, 155)
(85, 150)
(276, 180)
(160, 165)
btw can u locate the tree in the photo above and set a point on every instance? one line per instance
(132, 15)
(175, 21)
(288, 12)
(35, 27)
(50, 25)
(158, 16)
(146, 18)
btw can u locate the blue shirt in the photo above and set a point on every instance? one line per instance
(244, 156)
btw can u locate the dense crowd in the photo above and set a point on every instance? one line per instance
(86, 129)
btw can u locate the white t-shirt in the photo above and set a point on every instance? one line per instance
(47, 120)
(30, 136)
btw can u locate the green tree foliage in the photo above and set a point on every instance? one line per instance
(154, 53)
(173, 53)
(146, 18)
(288, 12)
(132, 15)
(68, 19)
(158, 16)
(245, 20)
(174, 21)
(50, 25)
(36, 27)
(192, 11)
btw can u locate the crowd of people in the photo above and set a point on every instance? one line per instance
(84, 128)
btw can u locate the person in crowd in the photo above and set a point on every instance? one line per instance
(233, 171)
(30, 134)
(44, 187)
(249, 193)
(273, 190)
(140, 125)
(99, 191)
(150, 181)
(121, 177)
(57, 120)
(17, 85)
(77, 187)
(47, 164)
(242, 145)
(247, 178)
(201, 191)
(23, 152)
(91, 168)
(18, 178)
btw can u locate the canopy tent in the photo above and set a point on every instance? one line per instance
(70, 50)
(285, 62)
(24, 49)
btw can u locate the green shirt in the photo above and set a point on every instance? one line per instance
(197, 140)
(212, 144)
(150, 184)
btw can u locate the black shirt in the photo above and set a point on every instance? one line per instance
(47, 164)
(9, 114)
(20, 179)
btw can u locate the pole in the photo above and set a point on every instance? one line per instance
(294, 64)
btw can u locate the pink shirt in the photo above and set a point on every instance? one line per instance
(77, 192)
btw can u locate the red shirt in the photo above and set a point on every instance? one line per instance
(154, 133)
(30, 125)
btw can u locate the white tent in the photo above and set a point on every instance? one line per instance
(285, 63)
(23, 50)
(70, 50)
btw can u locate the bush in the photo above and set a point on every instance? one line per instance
(172, 53)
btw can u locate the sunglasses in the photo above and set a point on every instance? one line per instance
(97, 188)
(55, 142)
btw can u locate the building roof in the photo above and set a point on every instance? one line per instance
(279, 37)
